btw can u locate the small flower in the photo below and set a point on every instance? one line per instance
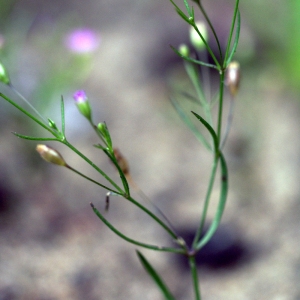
(83, 104)
(195, 38)
(4, 78)
(50, 155)
(82, 40)
(233, 77)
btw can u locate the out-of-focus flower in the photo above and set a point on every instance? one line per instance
(195, 39)
(82, 40)
(4, 75)
(50, 155)
(83, 103)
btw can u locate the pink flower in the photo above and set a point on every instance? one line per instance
(80, 96)
(82, 40)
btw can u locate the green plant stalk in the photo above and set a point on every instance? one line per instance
(137, 243)
(154, 217)
(92, 180)
(211, 27)
(28, 115)
(231, 32)
(155, 276)
(190, 69)
(119, 190)
(194, 273)
(221, 206)
(206, 202)
(220, 113)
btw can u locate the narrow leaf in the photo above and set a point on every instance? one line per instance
(155, 276)
(32, 138)
(221, 206)
(236, 39)
(195, 61)
(210, 129)
(190, 124)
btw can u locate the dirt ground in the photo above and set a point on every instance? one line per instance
(54, 247)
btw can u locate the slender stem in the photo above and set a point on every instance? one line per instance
(137, 243)
(219, 126)
(207, 200)
(27, 102)
(211, 27)
(194, 273)
(229, 122)
(29, 115)
(154, 217)
(92, 180)
(231, 32)
(120, 191)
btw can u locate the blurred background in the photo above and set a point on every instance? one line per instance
(53, 246)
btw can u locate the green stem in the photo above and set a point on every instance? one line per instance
(219, 126)
(207, 200)
(231, 32)
(221, 206)
(29, 115)
(154, 217)
(119, 190)
(92, 180)
(194, 273)
(137, 243)
(212, 29)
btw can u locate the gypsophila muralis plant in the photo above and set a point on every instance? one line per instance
(211, 135)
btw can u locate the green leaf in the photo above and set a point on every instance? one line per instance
(155, 276)
(62, 112)
(32, 138)
(128, 239)
(236, 39)
(210, 129)
(221, 206)
(182, 114)
(198, 62)
(180, 12)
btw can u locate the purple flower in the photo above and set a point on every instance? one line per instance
(80, 96)
(83, 104)
(82, 40)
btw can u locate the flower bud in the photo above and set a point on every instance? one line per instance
(83, 104)
(184, 50)
(4, 75)
(233, 77)
(102, 128)
(50, 155)
(195, 38)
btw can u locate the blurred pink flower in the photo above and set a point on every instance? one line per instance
(80, 96)
(82, 40)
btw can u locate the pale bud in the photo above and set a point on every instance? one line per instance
(233, 77)
(184, 50)
(50, 155)
(4, 77)
(195, 38)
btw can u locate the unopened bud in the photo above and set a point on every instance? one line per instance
(195, 38)
(4, 75)
(184, 50)
(122, 162)
(83, 104)
(233, 77)
(50, 155)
